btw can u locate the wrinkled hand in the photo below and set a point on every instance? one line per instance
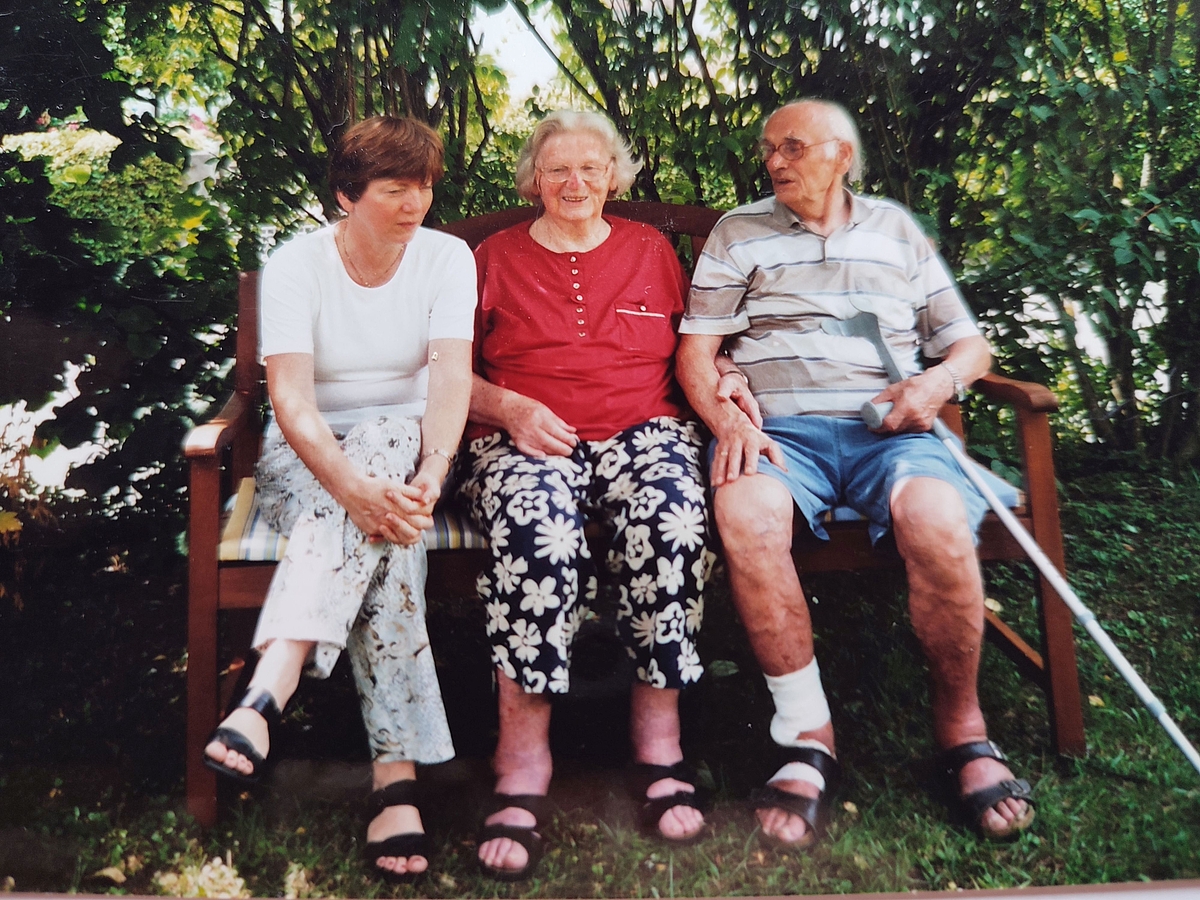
(739, 446)
(386, 510)
(537, 431)
(734, 388)
(915, 401)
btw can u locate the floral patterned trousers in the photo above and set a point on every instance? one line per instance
(645, 489)
(337, 588)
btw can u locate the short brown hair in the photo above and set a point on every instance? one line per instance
(385, 147)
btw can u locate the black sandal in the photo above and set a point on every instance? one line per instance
(525, 835)
(972, 807)
(813, 810)
(642, 775)
(408, 844)
(263, 704)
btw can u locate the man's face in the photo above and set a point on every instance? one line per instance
(806, 184)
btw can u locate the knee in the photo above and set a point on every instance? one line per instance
(754, 513)
(929, 518)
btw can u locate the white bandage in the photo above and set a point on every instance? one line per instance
(800, 704)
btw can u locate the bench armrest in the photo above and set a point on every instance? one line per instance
(207, 440)
(1022, 394)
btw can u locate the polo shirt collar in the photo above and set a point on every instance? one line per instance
(783, 216)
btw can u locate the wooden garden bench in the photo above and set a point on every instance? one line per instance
(228, 574)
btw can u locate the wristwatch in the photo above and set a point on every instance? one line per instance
(960, 389)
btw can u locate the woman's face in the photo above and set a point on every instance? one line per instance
(392, 208)
(575, 175)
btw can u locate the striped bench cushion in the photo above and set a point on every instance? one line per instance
(247, 537)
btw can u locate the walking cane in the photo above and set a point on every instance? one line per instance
(866, 325)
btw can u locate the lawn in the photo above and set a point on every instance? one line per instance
(91, 791)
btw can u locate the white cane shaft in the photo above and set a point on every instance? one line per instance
(1085, 616)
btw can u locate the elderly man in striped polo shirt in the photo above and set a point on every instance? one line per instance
(771, 272)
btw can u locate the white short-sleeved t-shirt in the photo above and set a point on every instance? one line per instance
(369, 345)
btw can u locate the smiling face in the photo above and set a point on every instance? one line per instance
(585, 160)
(811, 185)
(392, 209)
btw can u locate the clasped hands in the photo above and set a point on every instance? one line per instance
(390, 510)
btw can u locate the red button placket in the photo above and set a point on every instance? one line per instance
(577, 297)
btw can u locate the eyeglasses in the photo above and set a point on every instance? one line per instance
(790, 149)
(589, 173)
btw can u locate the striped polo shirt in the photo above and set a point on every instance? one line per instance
(768, 282)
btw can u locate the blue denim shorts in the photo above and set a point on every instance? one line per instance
(838, 462)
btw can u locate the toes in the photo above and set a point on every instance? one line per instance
(403, 865)
(782, 825)
(680, 822)
(503, 853)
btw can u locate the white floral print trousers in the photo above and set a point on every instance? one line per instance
(335, 587)
(645, 489)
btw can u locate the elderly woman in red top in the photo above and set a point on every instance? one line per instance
(575, 413)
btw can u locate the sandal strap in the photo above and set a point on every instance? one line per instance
(538, 804)
(642, 775)
(954, 758)
(262, 703)
(237, 742)
(976, 804)
(410, 843)
(830, 768)
(398, 793)
(813, 810)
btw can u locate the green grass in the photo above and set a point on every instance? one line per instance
(92, 778)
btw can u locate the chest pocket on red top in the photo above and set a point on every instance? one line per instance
(645, 332)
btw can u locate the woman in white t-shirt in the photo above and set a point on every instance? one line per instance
(365, 332)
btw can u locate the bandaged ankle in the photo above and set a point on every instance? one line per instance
(800, 704)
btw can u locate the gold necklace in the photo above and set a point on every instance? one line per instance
(340, 237)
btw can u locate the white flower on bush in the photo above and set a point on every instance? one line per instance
(217, 878)
(295, 882)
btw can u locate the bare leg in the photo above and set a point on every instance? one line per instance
(754, 517)
(522, 765)
(278, 672)
(945, 598)
(654, 731)
(395, 819)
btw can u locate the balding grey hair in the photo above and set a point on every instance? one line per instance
(569, 121)
(841, 126)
